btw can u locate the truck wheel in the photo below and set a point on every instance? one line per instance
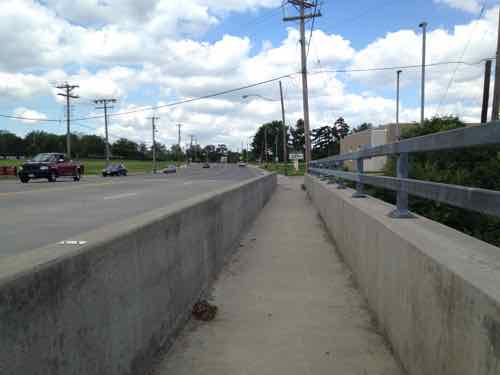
(76, 176)
(52, 177)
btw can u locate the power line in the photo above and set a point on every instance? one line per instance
(375, 69)
(241, 88)
(186, 101)
(443, 98)
(29, 118)
(312, 25)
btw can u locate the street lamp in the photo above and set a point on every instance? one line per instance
(423, 25)
(398, 130)
(285, 138)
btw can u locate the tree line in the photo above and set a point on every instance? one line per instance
(93, 147)
(268, 141)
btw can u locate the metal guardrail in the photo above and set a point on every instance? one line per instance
(474, 199)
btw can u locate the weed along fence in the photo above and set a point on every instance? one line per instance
(479, 200)
(434, 290)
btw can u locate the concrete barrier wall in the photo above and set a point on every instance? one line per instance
(435, 291)
(108, 306)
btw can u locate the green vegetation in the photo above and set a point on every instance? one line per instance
(280, 168)
(476, 167)
(94, 166)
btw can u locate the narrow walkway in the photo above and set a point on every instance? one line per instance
(287, 305)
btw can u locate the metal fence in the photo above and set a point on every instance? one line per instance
(479, 200)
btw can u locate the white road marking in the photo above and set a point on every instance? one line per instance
(73, 243)
(119, 196)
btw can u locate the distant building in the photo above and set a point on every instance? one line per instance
(371, 137)
(381, 135)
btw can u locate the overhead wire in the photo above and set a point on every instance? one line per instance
(450, 82)
(241, 88)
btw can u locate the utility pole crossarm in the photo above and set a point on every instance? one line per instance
(307, 16)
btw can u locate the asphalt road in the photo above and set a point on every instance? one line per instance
(39, 213)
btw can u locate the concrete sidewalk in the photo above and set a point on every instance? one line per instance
(287, 305)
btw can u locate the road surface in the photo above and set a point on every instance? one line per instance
(39, 213)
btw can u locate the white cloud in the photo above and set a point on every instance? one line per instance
(29, 114)
(22, 86)
(472, 6)
(123, 47)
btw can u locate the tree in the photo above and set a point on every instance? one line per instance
(92, 146)
(273, 131)
(11, 144)
(476, 167)
(342, 128)
(324, 142)
(125, 148)
(364, 126)
(298, 136)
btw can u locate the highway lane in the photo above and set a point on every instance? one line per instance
(39, 213)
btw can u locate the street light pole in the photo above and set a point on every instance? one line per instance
(423, 25)
(398, 130)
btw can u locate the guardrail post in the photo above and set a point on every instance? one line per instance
(340, 181)
(359, 185)
(401, 211)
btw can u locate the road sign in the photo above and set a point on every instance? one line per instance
(296, 157)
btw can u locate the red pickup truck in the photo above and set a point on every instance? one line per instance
(50, 166)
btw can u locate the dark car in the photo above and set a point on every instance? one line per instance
(169, 169)
(114, 170)
(50, 166)
(206, 165)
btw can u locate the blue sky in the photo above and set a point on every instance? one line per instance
(156, 51)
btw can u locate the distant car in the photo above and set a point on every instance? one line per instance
(114, 170)
(170, 169)
(206, 165)
(242, 164)
(50, 166)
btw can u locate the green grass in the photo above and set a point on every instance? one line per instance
(280, 168)
(94, 166)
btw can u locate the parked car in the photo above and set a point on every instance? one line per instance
(50, 166)
(206, 165)
(114, 170)
(169, 169)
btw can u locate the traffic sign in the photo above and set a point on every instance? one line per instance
(296, 157)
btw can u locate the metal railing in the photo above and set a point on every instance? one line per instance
(474, 199)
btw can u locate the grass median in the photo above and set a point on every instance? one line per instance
(95, 166)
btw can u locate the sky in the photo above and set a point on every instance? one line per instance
(152, 53)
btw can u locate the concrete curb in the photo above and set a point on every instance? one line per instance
(107, 306)
(434, 290)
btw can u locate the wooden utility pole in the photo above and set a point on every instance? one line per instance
(302, 5)
(153, 148)
(285, 138)
(486, 92)
(68, 89)
(105, 107)
(496, 90)
(179, 151)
